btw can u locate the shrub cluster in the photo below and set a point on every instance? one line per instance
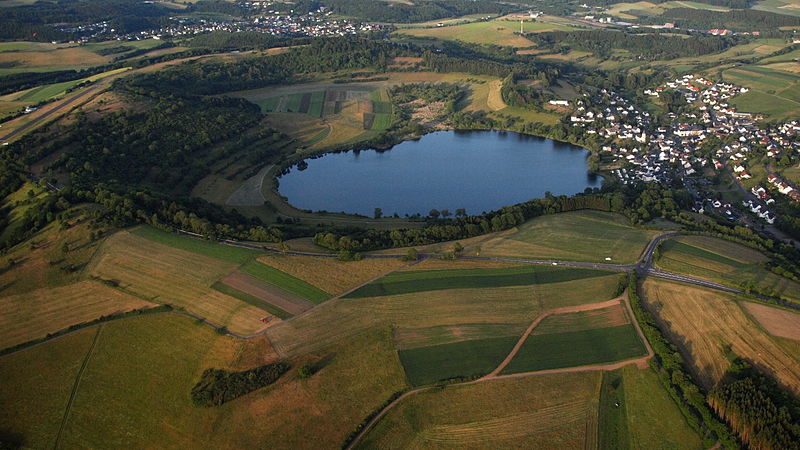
(217, 386)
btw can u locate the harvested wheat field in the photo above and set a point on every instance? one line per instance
(29, 316)
(551, 411)
(332, 276)
(777, 322)
(706, 322)
(172, 276)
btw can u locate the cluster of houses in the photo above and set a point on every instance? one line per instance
(784, 187)
(315, 23)
(644, 153)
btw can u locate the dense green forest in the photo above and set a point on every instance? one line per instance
(643, 46)
(217, 386)
(763, 416)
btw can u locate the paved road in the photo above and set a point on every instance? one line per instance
(45, 115)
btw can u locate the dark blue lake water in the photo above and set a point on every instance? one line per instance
(476, 170)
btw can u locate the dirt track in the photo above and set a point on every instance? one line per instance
(640, 362)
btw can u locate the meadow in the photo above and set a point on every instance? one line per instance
(229, 253)
(710, 325)
(774, 92)
(134, 389)
(495, 32)
(586, 235)
(724, 262)
(553, 411)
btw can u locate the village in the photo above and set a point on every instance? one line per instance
(643, 152)
(262, 20)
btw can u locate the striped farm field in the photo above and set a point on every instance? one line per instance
(33, 315)
(724, 262)
(285, 281)
(163, 274)
(711, 325)
(473, 358)
(334, 321)
(411, 338)
(433, 280)
(551, 411)
(328, 274)
(576, 348)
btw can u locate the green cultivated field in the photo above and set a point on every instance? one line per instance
(203, 247)
(574, 236)
(613, 423)
(426, 365)
(285, 282)
(576, 348)
(434, 280)
(724, 262)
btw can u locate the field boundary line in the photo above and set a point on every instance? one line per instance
(538, 320)
(75, 386)
(282, 354)
(493, 375)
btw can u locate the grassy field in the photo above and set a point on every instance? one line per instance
(412, 281)
(496, 32)
(709, 325)
(32, 315)
(613, 430)
(134, 391)
(286, 282)
(36, 388)
(203, 247)
(163, 274)
(328, 274)
(776, 321)
(723, 261)
(574, 236)
(51, 58)
(334, 321)
(576, 348)
(654, 420)
(774, 92)
(789, 7)
(557, 411)
(472, 358)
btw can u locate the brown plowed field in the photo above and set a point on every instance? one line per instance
(273, 295)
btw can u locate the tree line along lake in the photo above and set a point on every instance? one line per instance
(472, 170)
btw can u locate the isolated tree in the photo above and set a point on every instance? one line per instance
(378, 213)
(446, 213)
(458, 249)
(411, 255)
(434, 213)
(65, 248)
(461, 212)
